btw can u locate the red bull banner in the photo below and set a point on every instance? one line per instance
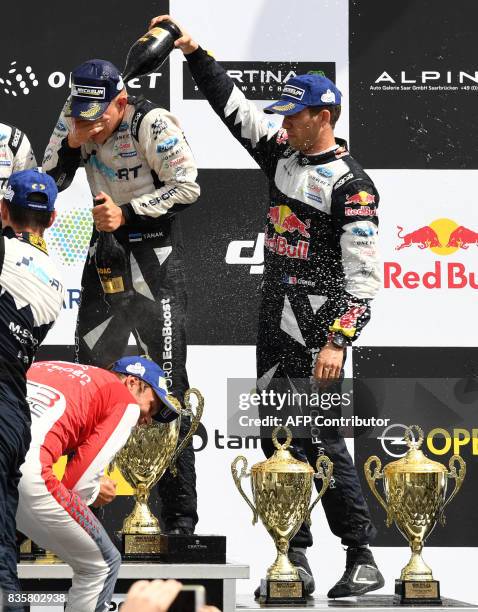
(442, 237)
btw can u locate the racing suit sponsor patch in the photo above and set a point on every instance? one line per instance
(346, 324)
(167, 332)
(343, 180)
(293, 92)
(280, 246)
(167, 144)
(80, 91)
(158, 126)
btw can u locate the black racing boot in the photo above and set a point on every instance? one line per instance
(361, 575)
(297, 557)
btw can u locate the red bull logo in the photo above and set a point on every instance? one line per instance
(461, 238)
(442, 237)
(363, 199)
(453, 275)
(424, 238)
(284, 220)
(280, 246)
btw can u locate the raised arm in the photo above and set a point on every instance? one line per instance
(61, 160)
(249, 125)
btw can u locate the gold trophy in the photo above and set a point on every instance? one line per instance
(415, 489)
(150, 450)
(281, 489)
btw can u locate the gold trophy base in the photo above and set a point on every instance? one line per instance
(282, 592)
(26, 551)
(417, 592)
(140, 546)
(140, 535)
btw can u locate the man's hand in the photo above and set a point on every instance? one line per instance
(185, 43)
(155, 596)
(329, 363)
(107, 216)
(107, 492)
(83, 130)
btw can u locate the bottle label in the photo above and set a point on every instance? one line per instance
(112, 285)
(156, 32)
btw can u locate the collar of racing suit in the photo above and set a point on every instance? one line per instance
(132, 101)
(323, 156)
(34, 239)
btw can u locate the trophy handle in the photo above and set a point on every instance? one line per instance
(410, 438)
(372, 476)
(458, 477)
(238, 475)
(196, 417)
(325, 473)
(288, 435)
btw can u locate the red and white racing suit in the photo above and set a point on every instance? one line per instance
(86, 413)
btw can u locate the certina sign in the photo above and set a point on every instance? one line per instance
(260, 80)
(426, 80)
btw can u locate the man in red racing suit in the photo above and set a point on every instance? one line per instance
(86, 413)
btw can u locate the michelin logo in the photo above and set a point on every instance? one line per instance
(293, 92)
(80, 91)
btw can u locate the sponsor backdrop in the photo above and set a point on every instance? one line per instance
(412, 96)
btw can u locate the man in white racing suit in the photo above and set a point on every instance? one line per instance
(138, 161)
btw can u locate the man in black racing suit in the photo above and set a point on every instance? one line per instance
(31, 297)
(137, 159)
(321, 270)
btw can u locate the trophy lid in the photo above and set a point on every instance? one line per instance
(282, 461)
(415, 461)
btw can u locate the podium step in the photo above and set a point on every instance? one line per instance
(375, 602)
(140, 571)
(218, 579)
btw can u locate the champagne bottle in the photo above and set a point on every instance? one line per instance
(112, 266)
(151, 50)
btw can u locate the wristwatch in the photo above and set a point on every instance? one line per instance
(337, 339)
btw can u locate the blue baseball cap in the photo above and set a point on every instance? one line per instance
(153, 375)
(32, 189)
(94, 85)
(305, 90)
